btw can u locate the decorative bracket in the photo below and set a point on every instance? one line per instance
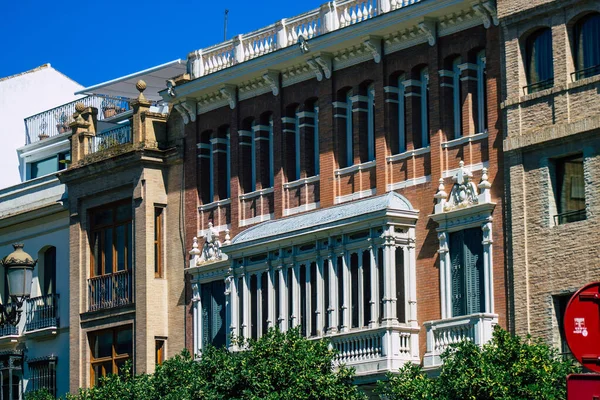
(190, 107)
(428, 27)
(481, 12)
(183, 112)
(324, 61)
(315, 67)
(272, 79)
(229, 92)
(491, 9)
(195, 292)
(373, 44)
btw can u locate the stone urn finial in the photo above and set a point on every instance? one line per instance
(141, 86)
(79, 107)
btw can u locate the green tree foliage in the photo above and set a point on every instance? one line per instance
(507, 368)
(278, 366)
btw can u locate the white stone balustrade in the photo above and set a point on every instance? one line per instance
(378, 349)
(441, 334)
(329, 17)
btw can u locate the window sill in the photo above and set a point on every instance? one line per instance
(214, 204)
(355, 167)
(409, 154)
(464, 139)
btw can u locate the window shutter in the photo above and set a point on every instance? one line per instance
(457, 273)
(218, 313)
(205, 294)
(474, 269)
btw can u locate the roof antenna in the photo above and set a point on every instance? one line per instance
(225, 27)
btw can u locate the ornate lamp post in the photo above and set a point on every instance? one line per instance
(19, 273)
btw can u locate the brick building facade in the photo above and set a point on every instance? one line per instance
(316, 169)
(551, 116)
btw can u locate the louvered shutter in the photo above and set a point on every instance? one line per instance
(206, 312)
(218, 313)
(474, 270)
(457, 273)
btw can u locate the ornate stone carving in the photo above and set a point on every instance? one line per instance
(195, 292)
(485, 18)
(324, 61)
(373, 44)
(491, 9)
(79, 107)
(228, 91)
(272, 79)
(211, 250)
(464, 192)
(428, 27)
(315, 67)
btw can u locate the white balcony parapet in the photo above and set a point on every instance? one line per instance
(441, 334)
(355, 167)
(378, 349)
(327, 18)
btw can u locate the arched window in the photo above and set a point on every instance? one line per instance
(538, 60)
(401, 116)
(349, 130)
(587, 46)
(424, 79)
(205, 159)
(247, 156)
(371, 122)
(481, 92)
(48, 273)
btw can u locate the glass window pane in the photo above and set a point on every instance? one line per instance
(43, 167)
(97, 254)
(124, 212)
(103, 345)
(108, 251)
(120, 247)
(124, 343)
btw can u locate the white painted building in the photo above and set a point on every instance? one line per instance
(23, 95)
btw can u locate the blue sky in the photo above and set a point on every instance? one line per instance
(91, 41)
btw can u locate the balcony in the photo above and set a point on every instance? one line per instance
(441, 334)
(110, 138)
(42, 312)
(377, 350)
(9, 330)
(109, 291)
(56, 120)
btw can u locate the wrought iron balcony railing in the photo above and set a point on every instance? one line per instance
(110, 138)
(585, 73)
(108, 291)
(41, 312)
(56, 120)
(569, 216)
(538, 86)
(9, 330)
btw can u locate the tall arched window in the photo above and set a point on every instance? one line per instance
(456, 97)
(539, 61)
(349, 130)
(424, 78)
(587, 46)
(48, 279)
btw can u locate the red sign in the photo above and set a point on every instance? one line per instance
(582, 326)
(583, 387)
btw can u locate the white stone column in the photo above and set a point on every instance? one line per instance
(332, 309)
(246, 312)
(272, 318)
(308, 289)
(320, 296)
(445, 275)
(361, 291)
(389, 277)
(197, 318)
(232, 307)
(410, 279)
(295, 318)
(259, 313)
(374, 302)
(282, 298)
(347, 303)
(488, 264)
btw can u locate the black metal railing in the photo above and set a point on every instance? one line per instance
(538, 86)
(585, 73)
(56, 120)
(108, 291)
(41, 312)
(110, 138)
(9, 330)
(569, 216)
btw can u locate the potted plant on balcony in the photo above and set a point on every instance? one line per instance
(62, 122)
(43, 134)
(109, 109)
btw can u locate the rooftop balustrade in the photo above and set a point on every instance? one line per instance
(329, 17)
(56, 120)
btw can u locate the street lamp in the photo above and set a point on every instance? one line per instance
(19, 273)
